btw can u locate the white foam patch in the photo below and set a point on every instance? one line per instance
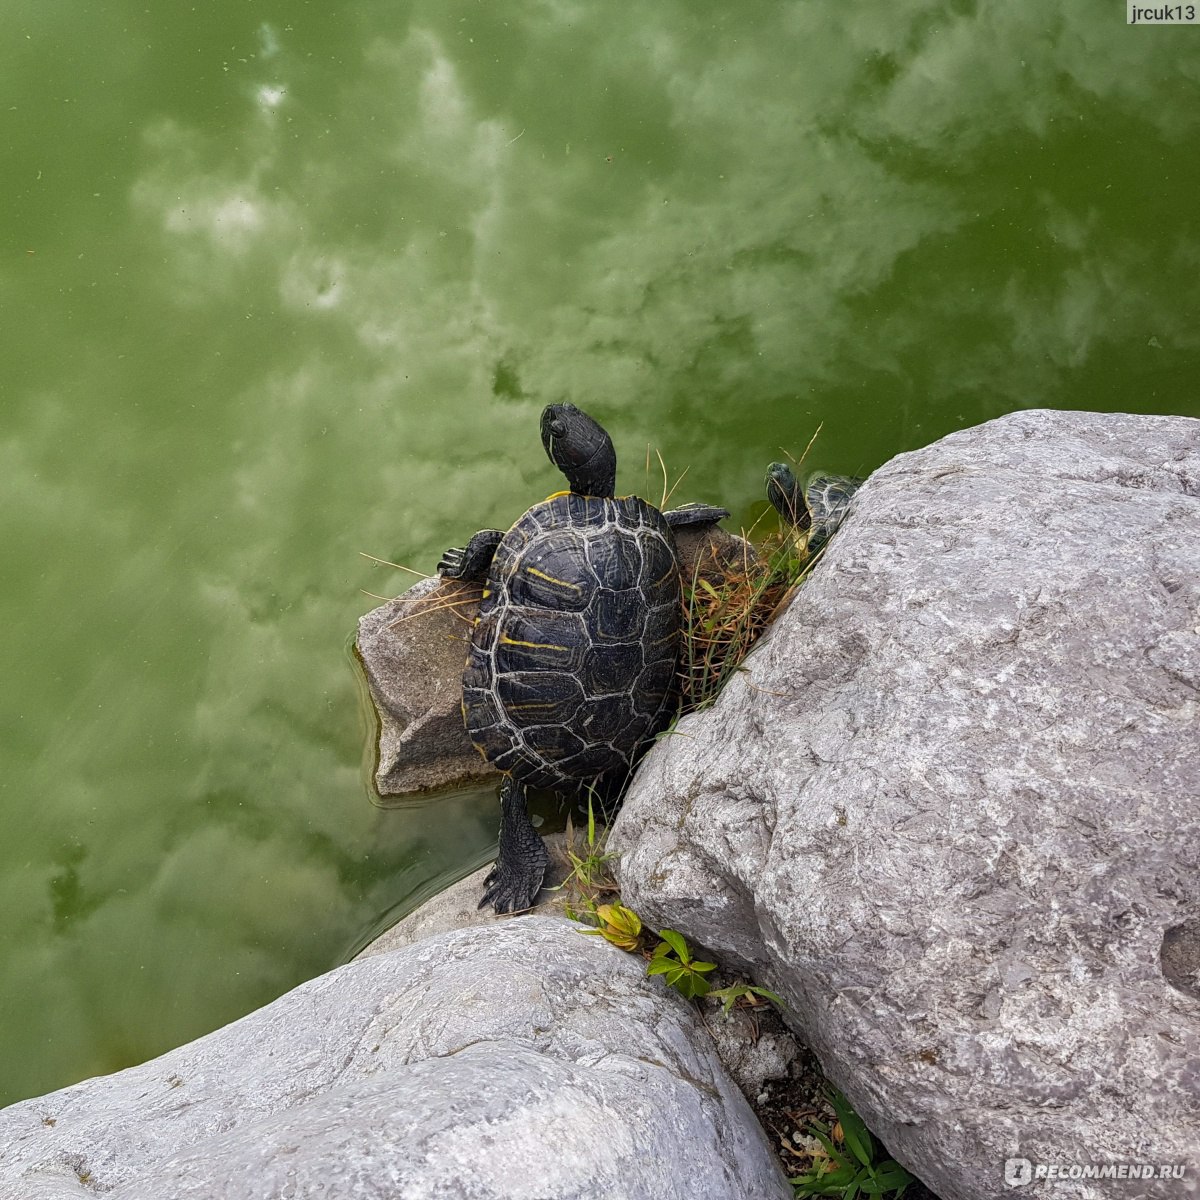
(271, 96)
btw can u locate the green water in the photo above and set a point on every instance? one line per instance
(282, 283)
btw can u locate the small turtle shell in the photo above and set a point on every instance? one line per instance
(573, 656)
(828, 498)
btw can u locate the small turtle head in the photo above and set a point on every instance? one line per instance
(786, 493)
(580, 449)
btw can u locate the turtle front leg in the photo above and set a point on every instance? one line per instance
(472, 562)
(694, 514)
(513, 883)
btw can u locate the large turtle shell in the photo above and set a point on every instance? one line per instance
(573, 655)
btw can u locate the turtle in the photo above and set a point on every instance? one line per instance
(814, 509)
(572, 659)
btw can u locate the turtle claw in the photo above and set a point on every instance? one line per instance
(450, 564)
(471, 561)
(510, 889)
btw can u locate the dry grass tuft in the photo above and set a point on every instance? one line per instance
(460, 597)
(727, 606)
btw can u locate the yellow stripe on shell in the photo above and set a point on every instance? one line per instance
(550, 579)
(507, 641)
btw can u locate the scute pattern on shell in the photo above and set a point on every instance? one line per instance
(573, 657)
(828, 495)
(828, 498)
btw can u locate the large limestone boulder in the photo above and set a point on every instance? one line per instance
(952, 810)
(513, 1061)
(412, 651)
(753, 1048)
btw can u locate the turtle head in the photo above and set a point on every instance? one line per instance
(580, 449)
(786, 493)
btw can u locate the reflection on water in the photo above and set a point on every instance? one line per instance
(284, 285)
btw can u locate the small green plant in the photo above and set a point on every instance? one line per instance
(671, 958)
(673, 961)
(848, 1168)
(590, 878)
(619, 925)
(751, 994)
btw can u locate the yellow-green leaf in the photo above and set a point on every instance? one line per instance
(620, 925)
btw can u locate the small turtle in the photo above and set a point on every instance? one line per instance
(571, 667)
(814, 510)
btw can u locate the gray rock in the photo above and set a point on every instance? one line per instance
(708, 552)
(752, 1048)
(518, 1061)
(412, 650)
(952, 811)
(755, 1048)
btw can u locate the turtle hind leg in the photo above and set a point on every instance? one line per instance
(514, 882)
(473, 561)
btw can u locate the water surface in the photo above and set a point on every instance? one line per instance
(287, 282)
